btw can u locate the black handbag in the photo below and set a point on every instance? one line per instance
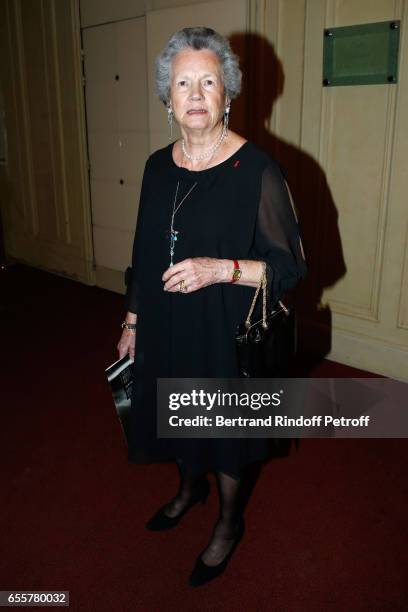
(265, 347)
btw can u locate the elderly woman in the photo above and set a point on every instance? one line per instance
(213, 208)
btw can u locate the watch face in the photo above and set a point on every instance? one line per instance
(236, 275)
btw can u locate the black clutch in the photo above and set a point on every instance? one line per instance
(265, 347)
(120, 379)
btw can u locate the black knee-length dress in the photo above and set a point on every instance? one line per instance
(239, 209)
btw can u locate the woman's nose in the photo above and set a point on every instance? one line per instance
(196, 93)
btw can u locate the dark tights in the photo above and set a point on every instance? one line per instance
(180, 501)
(230, 509)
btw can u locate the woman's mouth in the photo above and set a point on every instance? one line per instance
(196, 111)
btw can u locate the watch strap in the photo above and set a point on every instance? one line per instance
(236, 275)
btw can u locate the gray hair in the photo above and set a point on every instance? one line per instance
(198, 38)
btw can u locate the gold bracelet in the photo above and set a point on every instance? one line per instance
(129, 326)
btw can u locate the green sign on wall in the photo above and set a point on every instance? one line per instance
(364, 54)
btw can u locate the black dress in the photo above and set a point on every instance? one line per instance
(239, 209)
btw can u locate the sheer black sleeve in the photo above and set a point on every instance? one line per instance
(277, 238)
(131, 273)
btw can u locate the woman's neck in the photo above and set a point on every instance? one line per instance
(199, 142)
(229, 145)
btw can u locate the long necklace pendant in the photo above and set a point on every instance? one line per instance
(173, 238)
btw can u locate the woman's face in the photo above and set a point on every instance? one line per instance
(197, 91)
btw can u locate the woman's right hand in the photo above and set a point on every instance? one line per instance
(127, 344)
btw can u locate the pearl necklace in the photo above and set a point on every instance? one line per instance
(209, 153)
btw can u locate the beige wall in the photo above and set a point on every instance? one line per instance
(118, 139)
(45, 194)
(98, 12)
(345, 149)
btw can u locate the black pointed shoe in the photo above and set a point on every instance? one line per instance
(160, 521)
(203, 573)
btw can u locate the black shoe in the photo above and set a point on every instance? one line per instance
(160, 521)
(203, 573)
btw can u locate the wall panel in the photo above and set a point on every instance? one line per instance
(45, 198)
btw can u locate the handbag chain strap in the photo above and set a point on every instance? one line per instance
(261, 285)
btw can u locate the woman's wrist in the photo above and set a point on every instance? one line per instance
(131, 317)
(225, 270)
(129, 328)
(251, 271)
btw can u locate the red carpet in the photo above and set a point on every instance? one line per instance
(326, 527)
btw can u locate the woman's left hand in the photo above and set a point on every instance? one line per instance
(196, 272)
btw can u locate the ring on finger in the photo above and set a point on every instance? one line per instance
(182, 286)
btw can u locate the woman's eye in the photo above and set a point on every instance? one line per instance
(182, 83)
(208, 82)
